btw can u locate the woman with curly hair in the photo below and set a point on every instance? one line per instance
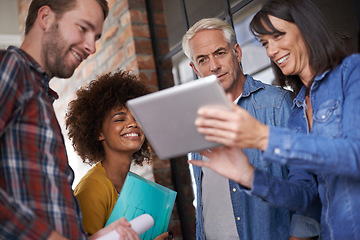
(104, 132)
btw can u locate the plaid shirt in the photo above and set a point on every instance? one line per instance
(35, 177)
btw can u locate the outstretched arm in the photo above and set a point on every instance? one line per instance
(296, 193)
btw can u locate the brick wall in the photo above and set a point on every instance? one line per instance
(125, 44)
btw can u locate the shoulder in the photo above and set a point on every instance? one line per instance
(276, 91)
(11, 64)
(11, 58)
(349, 69)
(350, 62)
(271, 95)
(352, 59)
(95, 181)
(15, 68)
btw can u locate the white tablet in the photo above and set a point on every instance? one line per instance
(167, 117)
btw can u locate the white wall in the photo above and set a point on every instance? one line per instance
(9, 24)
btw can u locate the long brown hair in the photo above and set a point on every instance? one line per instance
(325, 50)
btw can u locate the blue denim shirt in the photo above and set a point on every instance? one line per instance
(331, 149)
(256, 219)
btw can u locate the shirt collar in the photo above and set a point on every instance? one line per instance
(44, 79)
(299, 99)
(251, 86)
(321, 76)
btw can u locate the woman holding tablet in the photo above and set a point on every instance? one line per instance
(324, 136)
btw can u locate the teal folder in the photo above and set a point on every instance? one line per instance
(138, 196)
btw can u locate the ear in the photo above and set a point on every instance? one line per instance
(238, 52)
(45, 17)
(192, 65)
(101, 137)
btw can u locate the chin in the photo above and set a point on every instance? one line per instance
(66, 73)
(135, 149)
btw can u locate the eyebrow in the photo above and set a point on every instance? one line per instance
(216, 51)
(119, 114)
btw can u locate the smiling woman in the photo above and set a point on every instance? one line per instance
(104, 132)
(321, 136)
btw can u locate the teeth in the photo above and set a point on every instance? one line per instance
(131, 135)
(77, 56)
(281, 60)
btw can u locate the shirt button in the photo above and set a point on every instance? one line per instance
(238, 218)
(277, 151)
(323, 116)
(234, 189)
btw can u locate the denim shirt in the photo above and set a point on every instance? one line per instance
(254, 218)
(331, 149)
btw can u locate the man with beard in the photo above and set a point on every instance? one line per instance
(36, 199)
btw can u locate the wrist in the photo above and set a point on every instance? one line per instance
(247, 178)
(263, 140)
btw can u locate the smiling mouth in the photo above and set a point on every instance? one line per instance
(131, 135)
(77, 56)
(283, 59)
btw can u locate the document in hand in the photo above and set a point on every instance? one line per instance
(138, 196)
(167, 117)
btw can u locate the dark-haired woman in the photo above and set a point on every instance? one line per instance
(324, 137)
(104, 132)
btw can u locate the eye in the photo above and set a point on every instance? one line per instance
(219, 54)
(278, 35)
(82, 28)
(264, 43)
(119, 119)
(97, 37)
(202, 60)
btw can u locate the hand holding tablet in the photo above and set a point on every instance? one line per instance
(167, 117)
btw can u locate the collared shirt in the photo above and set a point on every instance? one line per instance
(331, 149)
(256, 219)
(35, 177)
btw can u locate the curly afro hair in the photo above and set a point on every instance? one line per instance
(87, 112)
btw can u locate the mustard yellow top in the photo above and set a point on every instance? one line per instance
(97, 197)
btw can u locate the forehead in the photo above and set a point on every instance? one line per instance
(119, 109)
(280, 25)
(87, 11)
(207, 41)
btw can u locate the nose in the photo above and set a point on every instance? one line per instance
(271, 50)
(214, 64)
(89, 44)
(133, 124)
